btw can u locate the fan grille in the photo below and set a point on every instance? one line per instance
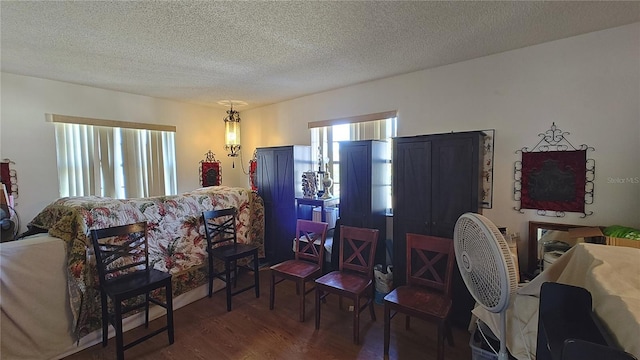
(485, 262)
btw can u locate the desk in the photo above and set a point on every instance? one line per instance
(322, 203)
(609, 273)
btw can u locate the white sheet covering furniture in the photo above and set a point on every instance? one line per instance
(35, 321)
(46, 291)
(610, 273)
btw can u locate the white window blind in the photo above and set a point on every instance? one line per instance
(113, 161)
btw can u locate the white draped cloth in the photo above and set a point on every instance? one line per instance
(610, 273)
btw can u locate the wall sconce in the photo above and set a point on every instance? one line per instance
(232, 132)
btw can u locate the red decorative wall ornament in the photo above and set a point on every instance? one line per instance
(554, 180)
(253, 168)
(554, 177)
(210, 171)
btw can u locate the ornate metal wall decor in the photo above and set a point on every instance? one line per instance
(253, 169)
(210, 171)
(554, 177)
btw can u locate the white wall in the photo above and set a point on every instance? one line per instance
(29, 141)
(589, 85)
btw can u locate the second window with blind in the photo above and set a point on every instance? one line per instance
(327, 135)
(114, 159)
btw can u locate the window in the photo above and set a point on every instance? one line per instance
(326, 135)
(114, 159)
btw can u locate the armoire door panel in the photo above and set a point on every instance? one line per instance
(453, 176)
(413, 182)
(355, 182)
(362, 200)
(285, 181)
(412, 198)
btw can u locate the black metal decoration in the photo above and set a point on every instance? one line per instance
(554, 177)
(210, 170)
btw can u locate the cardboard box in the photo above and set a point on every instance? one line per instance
(614, 241)
(591, 234)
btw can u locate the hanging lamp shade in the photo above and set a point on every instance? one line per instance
(232, 132)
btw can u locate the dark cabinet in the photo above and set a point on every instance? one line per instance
(436, 178)
(279, 181)
(364, 173)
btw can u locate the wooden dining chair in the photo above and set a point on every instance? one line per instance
(307, 263)
(427, 294)
(222, 243)
(122, 259)
(354, 279)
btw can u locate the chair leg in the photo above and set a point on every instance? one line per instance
(300, 283)
(105, 319)
(356, 321)
(146, 310)
(169, 297)
(235, 275)
(407, 322)
(227, 276)
(372, 311)
(272, 288)
(387, 327)
(440, 346)
(210, 275)
(448, 332)
(318, 293)
(117, 305)
(256, 273)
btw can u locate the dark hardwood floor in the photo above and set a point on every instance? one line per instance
(205, 330)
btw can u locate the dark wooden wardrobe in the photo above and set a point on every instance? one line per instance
(362, 182)
(436, 178)
(279, 181)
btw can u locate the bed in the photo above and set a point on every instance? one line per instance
(49, 303)
(610, 273)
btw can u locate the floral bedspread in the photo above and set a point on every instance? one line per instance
(176, 237)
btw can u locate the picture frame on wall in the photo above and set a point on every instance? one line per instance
(487, 168)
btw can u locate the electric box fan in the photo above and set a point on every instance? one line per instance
(7, 226)
(486, 266)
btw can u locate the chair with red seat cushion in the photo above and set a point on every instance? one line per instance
(427, 294)
(354, 280)
(307, 264)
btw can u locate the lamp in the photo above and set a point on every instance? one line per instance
(232, 132)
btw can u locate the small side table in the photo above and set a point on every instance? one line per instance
(322, 203)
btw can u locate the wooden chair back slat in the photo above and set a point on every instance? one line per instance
(220, 227)
(357, 249)
(430, 262)
(120, 250)
(310, 239)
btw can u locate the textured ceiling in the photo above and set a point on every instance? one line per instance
(266, 52)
